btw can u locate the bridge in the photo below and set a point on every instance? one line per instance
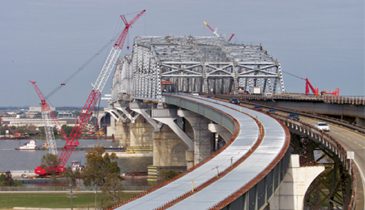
(171, 97)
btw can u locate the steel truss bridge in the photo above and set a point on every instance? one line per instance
(195, 64)
(246, 172)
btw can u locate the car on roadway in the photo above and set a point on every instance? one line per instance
(323, 126)
(234, 101)
(271, 111)
(293, 116)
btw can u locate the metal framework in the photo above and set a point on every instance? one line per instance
(195, 64)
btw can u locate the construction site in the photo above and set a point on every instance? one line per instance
(213, 116)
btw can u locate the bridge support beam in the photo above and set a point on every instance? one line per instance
(203, 144)
(291, 193)
(156, 126)
(127, 114)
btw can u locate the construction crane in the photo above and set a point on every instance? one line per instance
(47, 116)
(215, 31)
(94, 96)
(310, 88)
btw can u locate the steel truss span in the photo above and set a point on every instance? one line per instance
(195, 64)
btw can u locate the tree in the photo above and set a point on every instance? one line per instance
(6, 179)
(71, 176)
(102, 170)
(49, 163)
(67, 129)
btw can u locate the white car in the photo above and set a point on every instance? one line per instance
(323, 126)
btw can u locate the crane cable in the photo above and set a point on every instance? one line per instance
(81, 68)
(87, 62)
(293, 75)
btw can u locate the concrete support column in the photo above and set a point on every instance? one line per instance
(110, 130)
(168, 149)
(122, 133)
(140, 135)
(202, 137)
(291, 192)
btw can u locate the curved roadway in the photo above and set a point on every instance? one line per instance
(265, 147)
(351, 140)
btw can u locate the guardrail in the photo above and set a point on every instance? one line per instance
(320, 117)
(353, 100)
(324, 139)
(330, 143)
(257, 192)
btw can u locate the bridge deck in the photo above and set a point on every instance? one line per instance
(248, 136)
(271, 146)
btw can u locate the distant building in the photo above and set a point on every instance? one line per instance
(19, 122)
(64, 114)
(35, 112)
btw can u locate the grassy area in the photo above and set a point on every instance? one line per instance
(52, 200)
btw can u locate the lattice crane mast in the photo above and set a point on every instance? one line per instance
(94, 96)
(47, 115)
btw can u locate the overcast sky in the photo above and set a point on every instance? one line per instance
(48, 40)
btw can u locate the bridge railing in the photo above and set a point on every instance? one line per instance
(354, 100)
(330, 143)
(311, 115)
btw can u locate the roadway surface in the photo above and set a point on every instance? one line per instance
(209, 170)
(265, 148)
(351, 140)
(271, 145)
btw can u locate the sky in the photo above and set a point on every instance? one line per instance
(47, 41)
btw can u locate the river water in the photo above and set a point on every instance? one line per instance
(11, 159)
(15, 160)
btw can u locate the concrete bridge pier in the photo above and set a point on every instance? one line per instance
(291, 192)
(172, 147)
(140, 136)
(221, 133)
(202, 137)
(168, 149)
(121, 132)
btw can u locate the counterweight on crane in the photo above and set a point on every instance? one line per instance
(94, 96)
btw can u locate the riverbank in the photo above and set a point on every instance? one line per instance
(37, 200)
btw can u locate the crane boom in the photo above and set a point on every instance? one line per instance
(94, 96)
(214, 31)
(46, 115)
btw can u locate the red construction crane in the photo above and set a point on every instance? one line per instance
(47, 116)
(94, 96)
(310, 88)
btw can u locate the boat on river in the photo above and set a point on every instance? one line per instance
(31, 145)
